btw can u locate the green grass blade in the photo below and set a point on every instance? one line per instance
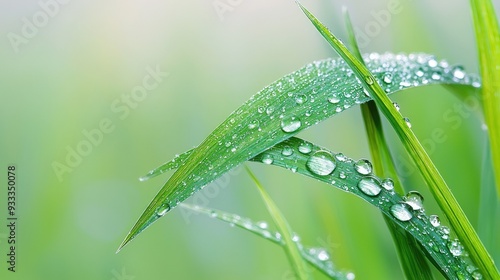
(291, 247)
(431, 175)
(488, 43)
(318, 257)
(412, 259)
(357, 177)
(489, 207)
(293, 103)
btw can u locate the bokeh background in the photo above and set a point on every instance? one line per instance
(76, 69)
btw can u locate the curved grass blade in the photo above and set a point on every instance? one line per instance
(411, 258)
(281, 110)
(357, 177)
(291, 247)
(488, 42)
(431, 175)
(318, 257)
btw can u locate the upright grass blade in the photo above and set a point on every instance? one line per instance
(291, 247)
(489, 206)
(435, 181)
(318, 257)
(488, 43)
(410, 256)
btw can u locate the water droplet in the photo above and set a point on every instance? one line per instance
(456, 249)
(387, 78)
(432, 63)
(333, 98)
(290, 124)
(287, 151)
(305, 147)
(434, 220)
(363, 167)
(369, 186)
(323, 255)
(400, 211)
(342, 175)
(369, 80)
(163, 209)
(477, 275)
(321, 163)
(444, 231)
(267, 159)
(254, 124)
(396, 106)
(388, 184)
(228, 144)
(295, 238)
(261, 109)
(213, 214)
(300, 98)
(415, 200)
(270, 110)
(262, 225)
(350, 276)
(341, 157)
(407, 121)
(458, 72)
(420, 72)
(436, 75)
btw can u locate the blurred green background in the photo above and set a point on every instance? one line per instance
(74, 68)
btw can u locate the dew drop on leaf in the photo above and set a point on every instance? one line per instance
(477, 275)
(415, 200)
(253, 124)
(388, 184)
(387, 78)
(434, 220)
(456, 249)
(267, 159)
(300, 99)
(287, 151)
(163, 209)
(333, 98)
(407, 121)
(321, 163)
(396, 106)
(305, 147)
(369, 186)
(401, 212)
(290, 124)
(458, 72)
(363, 167)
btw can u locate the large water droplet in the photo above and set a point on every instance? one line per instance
(363, 167)
(415, 200)
(287, 151)
(388, 184)
(290, 124)
(163, 209)
(262, 225)
(267, 159)
(333, 98)
(305, 147)
(401, 212)
(434, 220)
(456, 249)
(321, 163)
(458, 72)
(387, 78)
(369, 186)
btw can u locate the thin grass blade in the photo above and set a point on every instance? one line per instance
(291, 246)
(431, 175)
(488, 42)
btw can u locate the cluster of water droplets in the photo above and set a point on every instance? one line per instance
(356, 176)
